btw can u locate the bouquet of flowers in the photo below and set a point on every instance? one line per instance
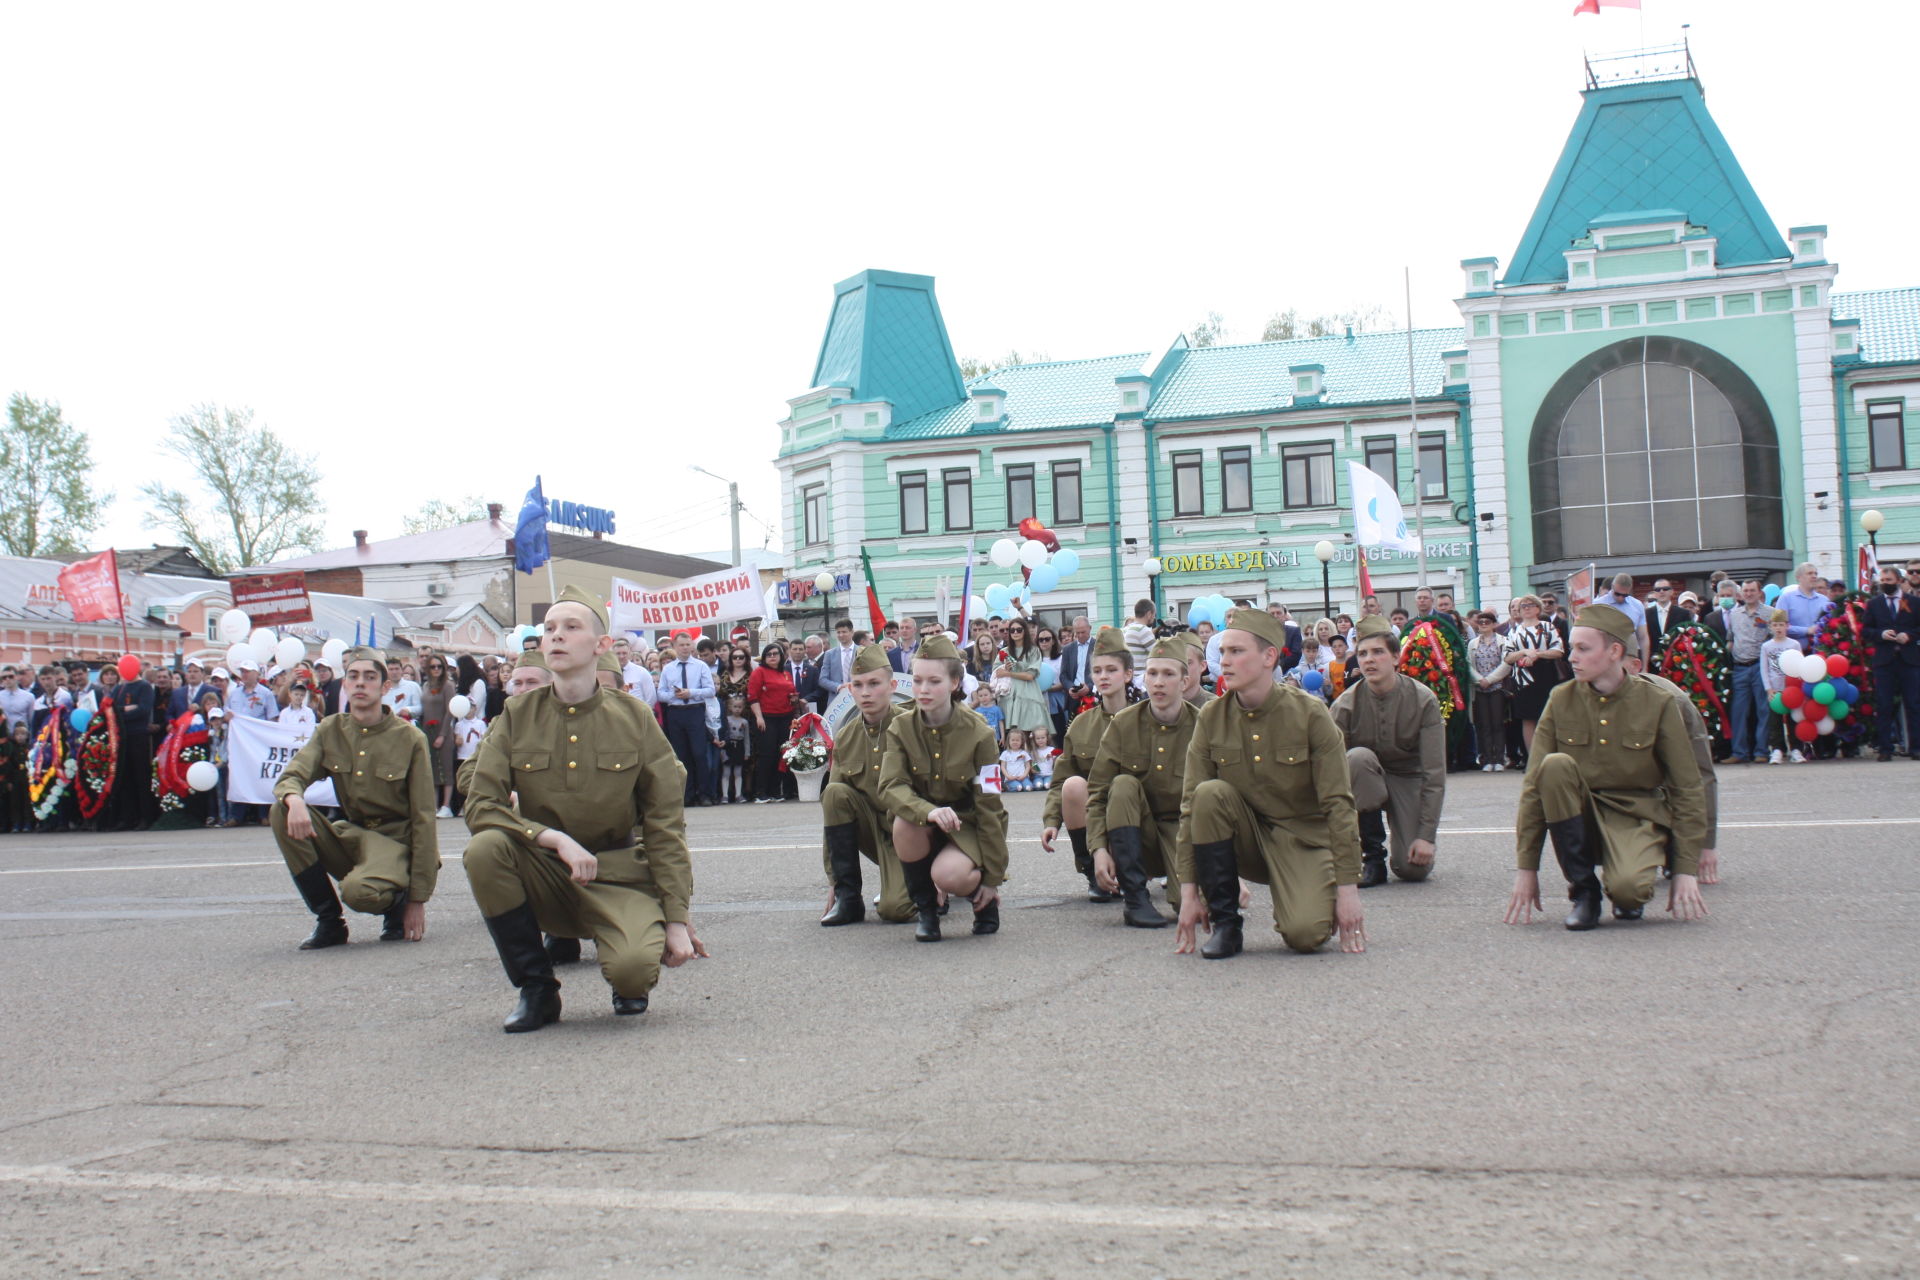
(1696, 659)
(99, 757)
(1843, 632)
(809, 745)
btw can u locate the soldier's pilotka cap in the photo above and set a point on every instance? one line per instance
(1110, 644)
(1604, 617)
(1258, 622)
(365, 653)
(571, 594)
(1371, 625)
(531, 658)
(1193, 641)
(936, 647)
(607, 662)
(1174, 647)
(872, 658)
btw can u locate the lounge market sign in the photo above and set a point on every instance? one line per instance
(1261, 559)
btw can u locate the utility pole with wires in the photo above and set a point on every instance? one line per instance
(734, 506)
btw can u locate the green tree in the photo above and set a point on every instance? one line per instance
(442, 514)
(1284, 325)
(46, 503)
(970, 368)
(257, 500)
(1209, 331)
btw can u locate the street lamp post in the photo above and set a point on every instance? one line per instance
(1873, 522)
(823, 583)
(1324, 550)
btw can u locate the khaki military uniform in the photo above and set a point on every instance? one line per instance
(596, 770)
(1076, 757)
(1397, 758)
(1137, 782)
(387, 844)
(853, 794)
(1624, 761)
(926, 768)
(1274, 781)
(1702, 740)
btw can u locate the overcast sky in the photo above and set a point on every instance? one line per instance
(445, 246)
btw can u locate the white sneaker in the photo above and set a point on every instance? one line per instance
(443, 812)
(1796, 757)
(1778, 757)
(1499, 768)
(1486, 768)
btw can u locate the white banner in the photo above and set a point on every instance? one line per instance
(257, 750)
(726, 596)
(1378, 520)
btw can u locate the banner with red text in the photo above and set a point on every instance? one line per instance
(726, 596)
(92, 588)
(272, 599)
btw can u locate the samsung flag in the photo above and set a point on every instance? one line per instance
(1378, 520)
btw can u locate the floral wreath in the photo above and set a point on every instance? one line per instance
(50, 767)
(184, 745)
(1430, 652)
(1696, 659)
(809, 745)
(99, 761)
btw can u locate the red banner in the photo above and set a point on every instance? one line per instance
(272, 599)
(92, 588)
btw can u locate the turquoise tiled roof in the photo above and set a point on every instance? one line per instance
(1061, 393)
(1645, 147)
(1889, 323)
(886, 340)
(1368, 368)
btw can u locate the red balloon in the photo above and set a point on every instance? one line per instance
(1794, 682)
(1032, 528)
(1836, 665)
(1806, 731)
(129, 667)
(1794, 696)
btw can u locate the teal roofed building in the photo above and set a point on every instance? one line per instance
(1662, 380)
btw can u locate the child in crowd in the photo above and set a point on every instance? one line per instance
(738, 739)
(220, 814)
(1337, 668)
(13, 779)
(1016, 764)
(466, 744)
(1774, 680)
(297, 715)
(1043, 753)
(1311, 659)
(989, 708)
(1486, 658)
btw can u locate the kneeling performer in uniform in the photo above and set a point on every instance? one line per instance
(1396, 756)
(1613, 781)
(1110, 673)
(588, 767)
(941, 780)
(1267, 797)
(1133, 794)
(851, 805)
(385, 851)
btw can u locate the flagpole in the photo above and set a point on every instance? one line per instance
(1413, 411)
(113, 559)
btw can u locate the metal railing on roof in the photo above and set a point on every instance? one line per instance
(1659, 62)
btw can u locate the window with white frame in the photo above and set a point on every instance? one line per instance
(1306, 474)
(1236, 479)
(1188, 491)
(1066, 493)
(956, 484)
(813, 514)
(913, 502)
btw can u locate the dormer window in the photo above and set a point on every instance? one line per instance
(1479, 274)
(1309, 380)
(1809, 243)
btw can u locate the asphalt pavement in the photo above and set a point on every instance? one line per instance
(186, 1092)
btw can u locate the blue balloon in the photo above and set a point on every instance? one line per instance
(1049, 676)
(1023, 592)
(1045, 578)
(1312, 681)
(1197, 613)
(1066, 561)
(1219, 607)
(998, 597)
(80, 720)
(1770, 592)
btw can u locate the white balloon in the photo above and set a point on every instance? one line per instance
(976, 607)
(1826, 724)
(1005, 552)
(234, 626)
(1812, 667)
(460, 705)
(263, 641)
(289, 651)
(203, 775)
(1033, 553)
(333, 652)
(237, 654)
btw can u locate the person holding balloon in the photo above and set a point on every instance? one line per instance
(1774, 677)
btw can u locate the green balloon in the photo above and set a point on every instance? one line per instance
(1839, 710)
(1823, 693)
(1779, 707)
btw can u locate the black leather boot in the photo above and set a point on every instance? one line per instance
(330, 923)
(926, 900)
(1576, 863)
(393, 923)
(628, 1006)
(1083, 863)
(1219, 876)
(562, 950)
(843, 854)
(1373, 848)
(1628, 913)
(516, 936)
(987, 919)
(1129, 864)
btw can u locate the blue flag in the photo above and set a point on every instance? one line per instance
(373, 632)
(356, 633)
(530, 532)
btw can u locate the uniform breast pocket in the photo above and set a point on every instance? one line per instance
(1227, 759)
(850, 768)
(531, 761)
(1571, 737)
(335, 767)
(618, 761)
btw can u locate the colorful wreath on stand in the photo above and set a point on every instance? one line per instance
(184, 745)
(1432, 652)
(1697, 660)
(50, 765)
(99, 760)
(1843, 632)
(809, 745)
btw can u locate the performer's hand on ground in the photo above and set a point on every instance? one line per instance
(1526, 897)
(1193, 913)
(1683, 898)
(413, 921)
(1103, 873)
(1047, 837)
(1709, 866)
(693, 937)
(679, 946)
(945, 819)
(1350, 918)
(1420, 853)
(299, 821)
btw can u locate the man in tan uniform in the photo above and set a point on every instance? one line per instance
(1267, 795)
(1108, 671)
(1702, 740)
(851, 806)
(1195, 690)
(1613, 781)
(384, 850)
(1133, 793)
(588, 767)
(1397, 756)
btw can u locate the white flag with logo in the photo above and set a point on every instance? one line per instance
(257, 750)
(1378, 520)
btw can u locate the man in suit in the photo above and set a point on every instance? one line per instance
(905, 644)
(188, 693)
(1073, 659)
(1664, 617)
(836, 668)
(1290, 655)
(1714, 613)
(806, 675)
(1893, 629)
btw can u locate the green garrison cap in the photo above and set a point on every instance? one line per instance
(938, 647)
(1372, 625)
(531, 658)
(571, 594)
(1258, 622)
(365, 653)
(607, 662)
(1604, 617)
(1110, 644)
(1174, 647)
(870, 658)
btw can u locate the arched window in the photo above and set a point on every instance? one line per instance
(1652, 446)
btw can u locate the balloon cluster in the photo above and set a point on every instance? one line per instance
(1211, 609)
(1772, 592)
(261, 646)
(1043, 562)
(1818, 695)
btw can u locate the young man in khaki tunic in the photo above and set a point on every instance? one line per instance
(1397, 757)
(588, 767)
(384, 850)
(1267, 795)
(1108, 671)
(1614, 782)
(1133, 794)
(854, 812)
